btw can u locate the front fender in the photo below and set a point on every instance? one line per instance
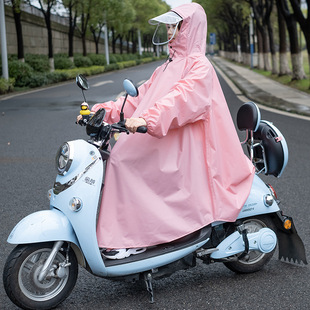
(43, 226)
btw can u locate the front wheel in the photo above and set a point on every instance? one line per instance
(21, 271)
(256, 260)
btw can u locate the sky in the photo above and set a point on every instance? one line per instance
(175, 3)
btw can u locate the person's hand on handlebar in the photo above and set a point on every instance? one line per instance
(79, 118)
(133, 123)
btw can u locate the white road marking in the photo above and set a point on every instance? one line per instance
(102, 83)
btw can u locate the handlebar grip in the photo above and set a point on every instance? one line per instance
(142, 129)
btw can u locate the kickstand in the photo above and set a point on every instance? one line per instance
(149, 287)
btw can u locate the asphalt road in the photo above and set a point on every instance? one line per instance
(32, 127)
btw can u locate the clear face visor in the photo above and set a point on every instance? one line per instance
(166, 27)
(164, 33)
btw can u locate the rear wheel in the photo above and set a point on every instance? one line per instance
(256, 260)
(21, 271)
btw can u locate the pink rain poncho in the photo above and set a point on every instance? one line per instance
(189, 170)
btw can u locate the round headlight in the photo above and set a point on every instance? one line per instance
(63, 159)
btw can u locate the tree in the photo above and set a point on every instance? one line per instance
(145, 10)
(262, 10)
(283, 61)
(230, 20)
(85, 8)
(46, 8)
(97, 22)
(120, 16)
(18, 26)
(72, 7)
(298, 71)
(303, 22)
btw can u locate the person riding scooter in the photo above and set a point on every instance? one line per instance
(189, 170)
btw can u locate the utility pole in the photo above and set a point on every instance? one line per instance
(4, 53)
(251, 37)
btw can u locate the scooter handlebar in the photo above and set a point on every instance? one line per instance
(142, 129)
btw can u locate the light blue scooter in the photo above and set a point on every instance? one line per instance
(42, 269)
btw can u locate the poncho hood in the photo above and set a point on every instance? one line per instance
(191, 38)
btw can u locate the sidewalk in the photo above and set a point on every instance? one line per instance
(263, 90)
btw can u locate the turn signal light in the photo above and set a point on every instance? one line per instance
(287, 224)
(75, 204)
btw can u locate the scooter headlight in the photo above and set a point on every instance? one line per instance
(63, 159)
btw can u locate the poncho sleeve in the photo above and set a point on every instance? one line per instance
(188, 101)
(113, 108)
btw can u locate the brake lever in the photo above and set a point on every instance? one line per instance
(120, 126)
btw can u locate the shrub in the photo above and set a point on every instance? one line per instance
(6, 85)
(82, 61)
(147, 54)
(20, 71)
(111, 67)
(120, 65)
(63, 63)
(129, 63)
(98, 59)
(39, 63)
(146, 60)
(12, 57)
(36, 80)
(113, 59)
(118, 57)
(56, 77)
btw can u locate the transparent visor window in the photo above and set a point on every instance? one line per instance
(164, 33)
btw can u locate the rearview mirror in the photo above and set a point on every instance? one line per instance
(82, 82)
(130, 88)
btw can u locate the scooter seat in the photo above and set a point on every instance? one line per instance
(248, 117)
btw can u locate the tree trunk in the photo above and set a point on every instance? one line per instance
(267, 66)
(113, 41)
(298, 71)
(47, 17)
(121, 44)
(72, 25)
(272, 49)
(260, 52)
(84, 44)
(284, 68)
(19, 33)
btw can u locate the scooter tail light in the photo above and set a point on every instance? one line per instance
(273, 192)
(287, 224)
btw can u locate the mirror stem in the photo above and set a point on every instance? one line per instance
(122, 113)
(83, 95)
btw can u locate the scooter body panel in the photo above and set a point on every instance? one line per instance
(264, 241)
(43, 226)
(254, 204)
(83, 181)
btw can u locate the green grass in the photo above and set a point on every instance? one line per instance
(302, 85)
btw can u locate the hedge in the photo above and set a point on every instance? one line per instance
(23, 75)
(6, 86)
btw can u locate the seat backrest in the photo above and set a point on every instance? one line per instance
(269, 139)
(248, 116)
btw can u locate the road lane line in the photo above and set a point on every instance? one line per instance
(102, 83)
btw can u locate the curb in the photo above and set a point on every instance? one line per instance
(258, 95)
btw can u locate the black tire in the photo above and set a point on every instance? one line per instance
(257, 260)
(20, 277)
